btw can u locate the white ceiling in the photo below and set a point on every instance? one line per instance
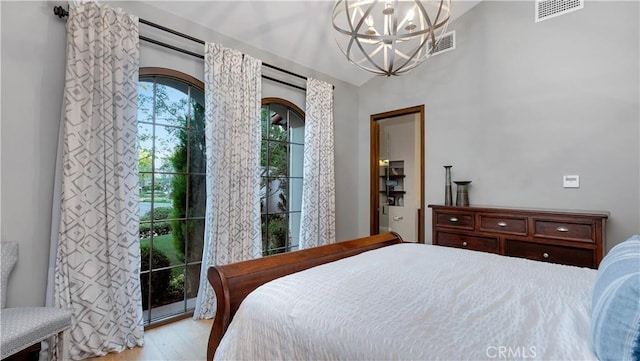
(296, 30)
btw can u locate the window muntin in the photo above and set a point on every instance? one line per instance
(172, 191)
(281, 161)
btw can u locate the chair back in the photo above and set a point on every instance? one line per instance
(8, 259)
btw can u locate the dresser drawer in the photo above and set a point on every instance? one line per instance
(572, 231)
(512, 225)
(550, 253)
(455, 220)
(476, 243)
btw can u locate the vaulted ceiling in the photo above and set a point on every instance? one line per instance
(299, 31)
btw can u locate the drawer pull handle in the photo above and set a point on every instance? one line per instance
(464, 243)
(545, 255)
(562, 229)
(453, 219)
(502, 224)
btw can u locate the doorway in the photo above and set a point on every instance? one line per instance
(397, 173)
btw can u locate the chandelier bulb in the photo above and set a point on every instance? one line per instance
(410, 15)
(369, 21)
(388, 9)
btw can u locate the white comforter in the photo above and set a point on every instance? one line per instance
(418, 302)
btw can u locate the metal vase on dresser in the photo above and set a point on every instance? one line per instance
(462, 193)
(448, 198)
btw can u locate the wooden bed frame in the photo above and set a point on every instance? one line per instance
(233, 282)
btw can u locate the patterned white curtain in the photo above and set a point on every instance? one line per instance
(318, 224)
(98, 253)
(233, 89)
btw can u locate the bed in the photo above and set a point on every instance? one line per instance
(377, 298)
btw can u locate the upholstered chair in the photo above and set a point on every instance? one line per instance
(24, 327)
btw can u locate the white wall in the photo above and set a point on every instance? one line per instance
(33, 45)
(32, 70)
(517, 105)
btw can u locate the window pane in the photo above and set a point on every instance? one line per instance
(145, 192)
(162, 237)
(165, 248)
(193, 280)
(278, 132)
(294, 227)
(263, 195)
(278, 159)
(145, 141)
(194, 234)
(197, 195)
(167, 289)
(296, 128)
(171, 149)
(278, 122)
(145, 158)
(295, 194)
(145, 101)
(296, 160)
(277, 233)
(164, 195)
(197, 152)
(263, 224)
(171, 103)
(263, 156)
(264, 121)
(144, 288)
(175, 246)
(276, 197)
(197, 103)
(145, 234)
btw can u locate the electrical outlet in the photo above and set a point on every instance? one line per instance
(571, 181)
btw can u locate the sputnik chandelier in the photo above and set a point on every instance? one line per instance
(389, 37)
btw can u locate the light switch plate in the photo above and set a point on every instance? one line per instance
(571, 181)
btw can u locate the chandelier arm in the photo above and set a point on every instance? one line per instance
(392, 59)
(429, 24)
(393, 31)
(422, 44)
(431, 34)
(440, 12)
(369, 57)
(434, 43)
(350, 43)
(394, 19)
(354, 31)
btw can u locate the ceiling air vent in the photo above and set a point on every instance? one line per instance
(446, 43)
(547, 9)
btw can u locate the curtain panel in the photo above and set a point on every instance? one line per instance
(98, 252)
(318, 225)
(233, 87)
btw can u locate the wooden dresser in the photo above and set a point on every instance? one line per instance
(567, 237)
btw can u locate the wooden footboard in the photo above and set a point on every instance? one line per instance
(233, 282)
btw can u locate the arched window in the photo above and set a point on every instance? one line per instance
(281, 160)
(172, 190)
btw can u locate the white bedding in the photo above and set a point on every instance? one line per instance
(418, 302)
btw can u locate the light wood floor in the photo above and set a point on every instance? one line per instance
(181, 340)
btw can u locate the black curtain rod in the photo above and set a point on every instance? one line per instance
(62, 13)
